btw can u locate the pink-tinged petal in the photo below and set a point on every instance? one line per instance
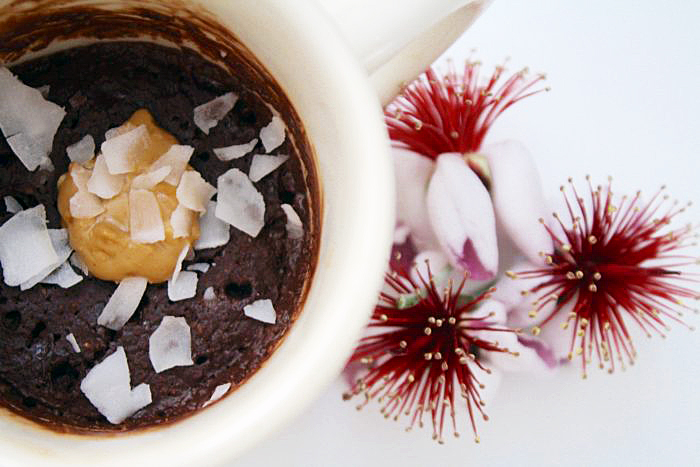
(412, 172)
(527, 360)
(517, 196)
(461, 214)
(494, 313)
(512, 292)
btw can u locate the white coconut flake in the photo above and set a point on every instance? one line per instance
(28, 121)
(263, 165)
(208, 115)
(108, 387)
(218, 393)
(59, 241)
(82, 151)
(213, 232)
(261, 310)
(199, 267)
(123, 303)
(171, 344)
(12, 206)
(184, 287)
(239, 203)
(178, 264)
(122, 153)
(63, 276)
(236, 151)
(194, 192)
(78, 262)
(145, 223)
(85, 205)
(295, 229)
(102, 183)
(176, 158)
(209, 294)
(73, 342)
(181, 221)
(273, 135)
(25, 246)
(44, 90)
(150, 179)
(118, 130)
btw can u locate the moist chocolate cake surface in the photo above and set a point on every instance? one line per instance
(101, 86)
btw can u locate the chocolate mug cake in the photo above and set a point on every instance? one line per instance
(248, 286)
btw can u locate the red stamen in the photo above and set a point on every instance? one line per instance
(453, 114)
(615, 265)
(426, 352)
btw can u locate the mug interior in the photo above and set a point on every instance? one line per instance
(343, 124)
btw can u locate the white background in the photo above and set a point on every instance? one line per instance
(625, 101)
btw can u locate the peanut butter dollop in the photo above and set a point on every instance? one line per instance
(104, 242)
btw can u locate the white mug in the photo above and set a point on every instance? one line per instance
(332, 58)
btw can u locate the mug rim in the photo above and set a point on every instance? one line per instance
(360, 269)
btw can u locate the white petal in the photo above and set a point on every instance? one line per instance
(12, 206)
(82, 151)
(517, 196)
(151, 178)
(527, 359)
(122, 153)
(145, 223)
(184, 287)
(235, 151)
(239, 203)
(194, 192)
(123, 303)
(171, 344)
(295, 229)
(413, 172)
(28, 121)
(108, 387)
(102, 183)
(263, 165)
(261, 310)
(25, 246)
(461, 214)
(213, 232)
(272, 135)
(513, 291)
(176, 158)
(208, 115)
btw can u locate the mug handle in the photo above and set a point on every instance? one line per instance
(398, 40)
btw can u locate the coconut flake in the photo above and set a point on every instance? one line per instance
(145, 223)
(176, 158)
(25, 246)
(82, 151)
(263, 165)
(64, 276)
(150, 179)
(59, 242)
(272, 135)
(85, 205)
(123, 303)
(236, 151)
(218, 393)
(73, 342)
(44, 90)
(193, 191)
(295, 229)
(213, 232)
(12, 206)
(208, 115)
(239, 203)
(209, 294)
(102, 183)
(171, 344)
(199, 267)
(28, 121)
(121, 153)
(78, 262)
(262, 310)
(184, 287)
(178, 264)
(181, 221)
(108, 387)
(118, 130)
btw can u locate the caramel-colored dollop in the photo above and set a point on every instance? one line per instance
(104, 242)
